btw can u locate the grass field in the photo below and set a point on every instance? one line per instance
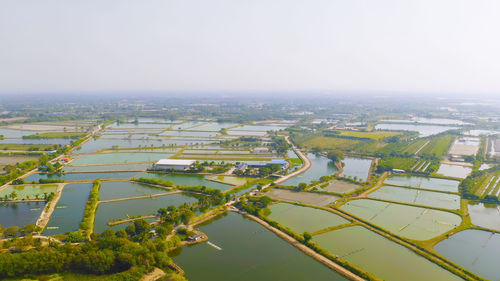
(437, 146)
(26, 147)
(327, 142)
(399, 162)
(376, 135)
(56, 135)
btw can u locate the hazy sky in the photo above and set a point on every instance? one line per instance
(265, 45)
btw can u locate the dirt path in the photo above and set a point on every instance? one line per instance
(422, 147)
(153, 275)
(44, 218)
(308, 251)
(376, 186)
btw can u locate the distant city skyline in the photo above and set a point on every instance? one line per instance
(382, 47)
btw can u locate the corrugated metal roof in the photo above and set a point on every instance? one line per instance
(175, 162)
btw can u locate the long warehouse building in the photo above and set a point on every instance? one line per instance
(174, 164)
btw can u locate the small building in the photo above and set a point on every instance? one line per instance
(174, 164)
(398, 171)
(195, 237)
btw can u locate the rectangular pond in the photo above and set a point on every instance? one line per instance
(423, 130)
(28, 191)
(424, 182)
(418, 197)
(108, 168)
(357, 168)
(124, 189)
(340, 186)
(320, 166)
(407, 221)
(20, 214)
(69, 210)
(138, 207)
(475, 250)
(485, 215)
(189, 180)
(309, 198)
(301, 219)
(380, 256)
(36, 141)
(248, 252)
(455, 171)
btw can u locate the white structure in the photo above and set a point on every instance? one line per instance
(174, 164)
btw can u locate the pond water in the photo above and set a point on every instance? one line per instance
(356, 167)
(215, 127)
(321, 166)
(37, 141)
(130, 208)
(425, 183)
(380, 256)
(98, 168)
(187, 125)
(262, 128)
(485, 215)
(301, 219)
(114, 190)
(246, 133)
(407, 221)
(190, 180)
(103, 143)
(475, 250)
(248, 252)
(310, 198)
(113, 158)
(189, 134)
(423, 130)
(20, 214)
(340, 186)
(82, 176)
(69, 210)
(10, 133)
(28, 191)
(138, 126)
(418, 197)
(455, 171)
(231, 180)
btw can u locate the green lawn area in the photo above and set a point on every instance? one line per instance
(26, 147)
(399, 162)
(376, 135)
(438, 146)
(56, 135)
(67, 276)
(327, 143)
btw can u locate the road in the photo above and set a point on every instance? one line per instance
(305, 167)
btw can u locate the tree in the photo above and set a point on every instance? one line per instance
(335, 155)
(141, 226)
(307, 236)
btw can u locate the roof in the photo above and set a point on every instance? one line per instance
(278, 161)
(180, 162)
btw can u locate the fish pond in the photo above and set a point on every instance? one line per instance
(28, 191)
(436, 184)
(485, 215)
(115, 158)
(423, 130)
(189, 180)
(455, 171)
(137, 207)
(125, 189)
(247, 252)
(302, 197)
(320, 166)
(108, 168)
(418, 197)
(407, 221)
(340, 186)
(20, 214)
(301, 219)
(69, 210)
(358, 168)
(380, 256)
(475, 250)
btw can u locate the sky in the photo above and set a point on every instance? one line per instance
(424, 46)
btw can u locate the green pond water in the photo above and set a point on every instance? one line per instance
(356, 167)
(301, 219)
(115, 190)
(190, 180)
(302, 197)
(189, 134)
(28, 191)
(20, 214)
(485, 215)
(339, 186)
(199, 151)
(131, 208)
(82, 176)
(98, 168)
(407, 221)
(246, 133)
(380, 256)
(425, 183)
(235, 152)
(455, 171)
(321, 166)
(69, 210)
(475, 250)
(105, 143)
(213, 126)
(248, 252)
(112, 158)
(231, 180)
(418, 197)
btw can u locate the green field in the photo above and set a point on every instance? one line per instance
(399, 162)
(437, 146)
(26, 147)
(308, 142)
(376, 135)
(55, 135)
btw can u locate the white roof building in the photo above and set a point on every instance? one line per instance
(174, 164)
